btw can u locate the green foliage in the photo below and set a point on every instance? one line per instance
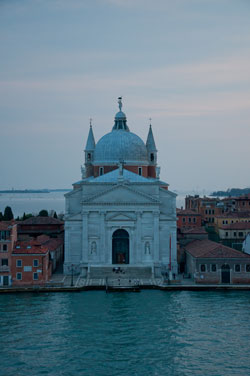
(43, 213)
(26, 216)
(1, 216)
(8, 215)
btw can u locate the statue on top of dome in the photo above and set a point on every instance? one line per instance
(120, 103)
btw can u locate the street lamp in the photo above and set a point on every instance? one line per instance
(72, 275)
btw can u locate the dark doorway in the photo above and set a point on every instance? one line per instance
(225, 273)
(120, 247)
(6, 280)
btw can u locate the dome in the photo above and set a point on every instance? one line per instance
(120, 115)
(120, 145)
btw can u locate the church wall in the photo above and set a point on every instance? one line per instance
(72, 202)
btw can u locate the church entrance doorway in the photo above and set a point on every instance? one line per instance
(120, 247)
(225, 273)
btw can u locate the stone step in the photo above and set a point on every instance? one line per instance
(123, 272)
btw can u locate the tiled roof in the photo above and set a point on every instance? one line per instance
(187, 212)
(41, 221)
(42, 244)
(208, 249)
(193, 230)
(236, 226)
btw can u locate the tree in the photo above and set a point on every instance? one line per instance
(1, 216)
(55, 215)
(43, 213)
(8, 215)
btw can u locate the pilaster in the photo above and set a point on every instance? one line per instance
(156, 215)
(84, 258)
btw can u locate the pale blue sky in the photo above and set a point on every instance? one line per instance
(185, 63)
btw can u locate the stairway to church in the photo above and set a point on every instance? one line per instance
(120, 272)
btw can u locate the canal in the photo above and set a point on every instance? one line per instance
(149, 333)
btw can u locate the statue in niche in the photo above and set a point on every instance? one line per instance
(147, 248)
(93, 248)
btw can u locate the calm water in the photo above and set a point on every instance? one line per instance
(147, 333)
(34, 202)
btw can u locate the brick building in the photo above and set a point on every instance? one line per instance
(31, 263)
(213, 263)
(207, 207)
(187, 218)
(8, 236)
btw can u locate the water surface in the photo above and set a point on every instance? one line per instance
(147, 333)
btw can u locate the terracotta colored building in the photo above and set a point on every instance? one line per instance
(242, 203)
(208, 207)
(8, 236)
(187, 218)
(31, 263)
(213, 263)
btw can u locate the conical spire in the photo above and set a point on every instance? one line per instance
(150, 144)
(90, 145)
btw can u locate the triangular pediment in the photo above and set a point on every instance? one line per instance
(120, 217)
(121, 194)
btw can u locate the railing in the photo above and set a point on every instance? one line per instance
(4, 268)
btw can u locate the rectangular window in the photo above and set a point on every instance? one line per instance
(101, 171)
(35, 263)
(194, 219)
(5, 248)
(19, 263)
(213, 211)
(235, 234)
(19, 276)
(240, 234)
(35, 276)
(189, 220)
(203, 268)
(237, 268)
(183, 219)
(213, 268)
(140, 171)
(248, 268)
(5, 262)
(226, 234)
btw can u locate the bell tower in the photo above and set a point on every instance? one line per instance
(89, 151)
(152, 152)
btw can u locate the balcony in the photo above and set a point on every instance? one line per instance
(4, 268)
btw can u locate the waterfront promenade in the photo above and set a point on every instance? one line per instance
(63, 283)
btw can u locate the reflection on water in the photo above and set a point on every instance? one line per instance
(150, 333)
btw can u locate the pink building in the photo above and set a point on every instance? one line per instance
(8, 236)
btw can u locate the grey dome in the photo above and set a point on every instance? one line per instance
(120, 145)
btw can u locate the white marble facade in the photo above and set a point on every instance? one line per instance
(115, 215)
(97, 207)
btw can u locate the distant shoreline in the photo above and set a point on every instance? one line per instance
(34, 190)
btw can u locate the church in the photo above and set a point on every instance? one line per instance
(120, 215)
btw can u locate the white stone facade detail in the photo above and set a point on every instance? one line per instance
(95, 210)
